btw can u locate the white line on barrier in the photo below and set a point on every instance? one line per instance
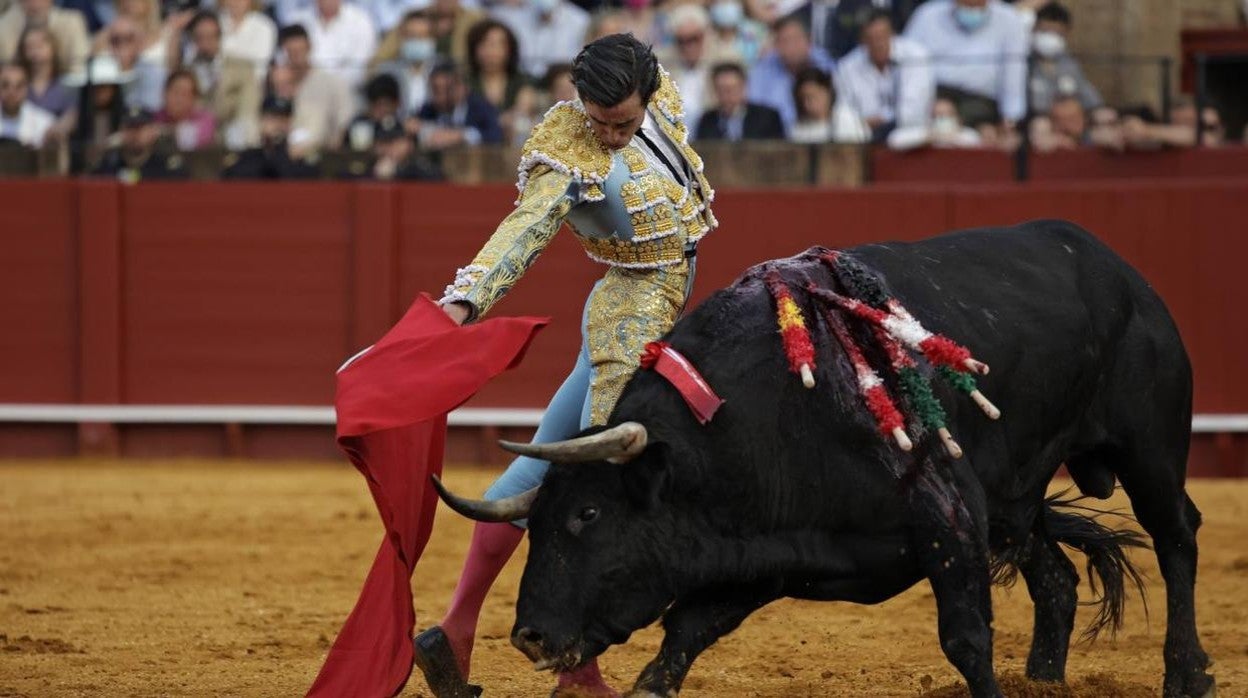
(296, 415)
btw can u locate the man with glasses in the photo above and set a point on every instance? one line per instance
(20, 120)
(696, 50)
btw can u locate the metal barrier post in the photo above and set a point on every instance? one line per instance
(1165, 65)
(1201, 96)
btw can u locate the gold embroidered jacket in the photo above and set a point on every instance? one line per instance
(626, 213)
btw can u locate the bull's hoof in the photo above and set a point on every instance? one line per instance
(641, 693)
(1198, 685)
(435, 659)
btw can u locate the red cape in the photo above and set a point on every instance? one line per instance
(392, 403)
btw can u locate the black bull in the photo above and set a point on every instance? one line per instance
(789, 492)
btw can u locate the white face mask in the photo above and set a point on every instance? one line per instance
(1048, 44)
(727, 14)
(945, 125)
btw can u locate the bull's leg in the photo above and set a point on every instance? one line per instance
(693, 624)
(1053, 583)
(1164, 510)
(953, 553)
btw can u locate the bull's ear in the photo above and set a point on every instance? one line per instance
(645, 478)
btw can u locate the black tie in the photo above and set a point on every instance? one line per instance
(655, 149)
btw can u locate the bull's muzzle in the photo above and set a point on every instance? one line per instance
(530, 642)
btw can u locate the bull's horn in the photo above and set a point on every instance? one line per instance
(511, 508)
(619, 444)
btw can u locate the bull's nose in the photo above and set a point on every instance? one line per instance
(528, 641)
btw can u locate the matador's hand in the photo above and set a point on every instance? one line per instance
(457, 312)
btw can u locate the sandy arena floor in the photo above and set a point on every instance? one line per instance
(200, 578)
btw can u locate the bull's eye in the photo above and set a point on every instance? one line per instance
(588, 514)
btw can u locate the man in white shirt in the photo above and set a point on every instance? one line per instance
(20, 120)
(887, 79)
(343, 38)
(979, 49)
(550, 31)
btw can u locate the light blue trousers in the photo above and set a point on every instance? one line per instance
(566, 415)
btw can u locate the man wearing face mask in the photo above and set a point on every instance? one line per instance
(1055, 73)
(615, 165)
(417, 51)
(734, 29)
(550, 31)
(979, 50)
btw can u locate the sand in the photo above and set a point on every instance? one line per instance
(197, 578)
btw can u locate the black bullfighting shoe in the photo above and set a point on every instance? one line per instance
(437, 662)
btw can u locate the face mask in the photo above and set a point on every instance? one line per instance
(1048, 44)
(945, 125)
(970, 18)
(545, 6)
(726, 14)
(417, 50)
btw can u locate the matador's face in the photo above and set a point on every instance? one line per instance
(615, 126)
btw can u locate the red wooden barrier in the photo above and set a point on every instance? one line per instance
(246, 293)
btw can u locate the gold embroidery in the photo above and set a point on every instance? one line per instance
(635, 160)
(518, 240)
(655, 252)
(627, 310)
(631, 193)
(564, 141)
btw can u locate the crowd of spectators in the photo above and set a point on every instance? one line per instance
(279, 83)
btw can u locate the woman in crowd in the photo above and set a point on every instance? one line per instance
(191, 125)
(494, 72)
(247, 34)
(735, 30)
(820, 118)
(37, 52)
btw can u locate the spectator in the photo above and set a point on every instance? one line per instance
(836, 25)
(146, 76)
(689, 62)
(454, 115)
(735, 30)
(135, 158)
(608, 23)
(343, 39)
(37, 54)
(101, 104)
(410, 53)
(945, 130)
(1067, 126)
(1055, 73)
(387, 14)
(771, 80)
(554, 31)
(20, 120)
(97, 13)
(184, 118)
(381, 93)
(323, 104)
(979, 51)
(395, 156)
(557, 86)
(641, 19)
(247, 35)
(227, 83)
(1180, 132)
(451, 22)
(272, 159)
(821, 118)
(67, 26)
(494, 73)
(887, 80)
(733, 118)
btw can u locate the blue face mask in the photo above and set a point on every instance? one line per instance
(727, 14)
(417, 50)
(970, 18)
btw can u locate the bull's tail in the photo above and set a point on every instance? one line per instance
(1078, 526)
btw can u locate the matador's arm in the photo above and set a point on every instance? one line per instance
(516, 244)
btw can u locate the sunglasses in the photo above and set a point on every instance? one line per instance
(12, 85)
(119, 39)
(691, 39)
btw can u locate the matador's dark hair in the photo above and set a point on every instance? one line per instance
(609, 70)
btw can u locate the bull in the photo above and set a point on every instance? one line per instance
(790, 492)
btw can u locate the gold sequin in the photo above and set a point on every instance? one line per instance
(628, 309)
